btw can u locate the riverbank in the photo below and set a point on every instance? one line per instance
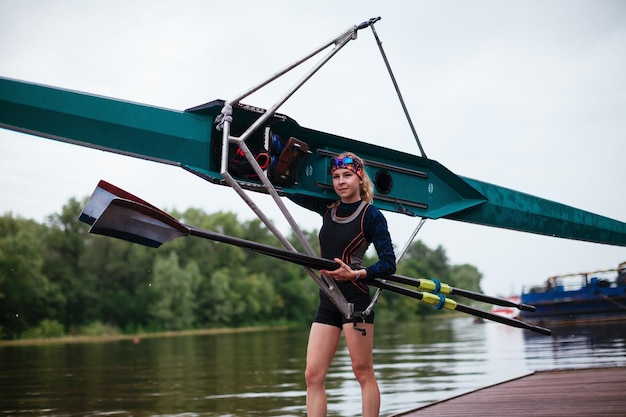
(449, 315)
(135, 338)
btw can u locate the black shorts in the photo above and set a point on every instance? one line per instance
(328, 313)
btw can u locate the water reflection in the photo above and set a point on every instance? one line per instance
(599, 344)
(261, 373)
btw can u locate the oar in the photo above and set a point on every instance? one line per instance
(139, 223)
(441, 302)
(105, 193)
(144, 224)
(435, 286)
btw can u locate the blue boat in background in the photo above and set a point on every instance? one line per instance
(578, 298)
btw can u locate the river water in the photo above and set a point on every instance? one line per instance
(261, 373)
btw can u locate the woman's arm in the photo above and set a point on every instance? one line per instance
(377, 232)
(316, 204)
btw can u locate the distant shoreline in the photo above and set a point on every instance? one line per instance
(135, 338)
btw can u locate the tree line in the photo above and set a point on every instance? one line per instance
(57, 279)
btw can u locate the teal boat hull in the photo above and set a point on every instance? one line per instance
(404, 183)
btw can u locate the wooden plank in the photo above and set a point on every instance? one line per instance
(571, 393)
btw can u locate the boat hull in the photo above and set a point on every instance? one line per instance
(592, 303)
(403, 183)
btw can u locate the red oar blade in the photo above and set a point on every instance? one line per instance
(100, 199)
(137, 223)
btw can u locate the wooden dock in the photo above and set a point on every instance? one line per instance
(571, 393)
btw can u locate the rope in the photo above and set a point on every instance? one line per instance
(226, 115)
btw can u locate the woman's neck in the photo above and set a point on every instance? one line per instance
(351, 200)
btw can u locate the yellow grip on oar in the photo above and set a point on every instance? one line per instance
(439, 301)
(434, 286)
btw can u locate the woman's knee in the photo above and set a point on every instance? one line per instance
(363, 371)
(314, 376)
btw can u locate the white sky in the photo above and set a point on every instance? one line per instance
(530, 95)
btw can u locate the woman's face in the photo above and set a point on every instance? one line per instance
(347, 185)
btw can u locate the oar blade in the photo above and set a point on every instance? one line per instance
(137, 223)
(100, 199)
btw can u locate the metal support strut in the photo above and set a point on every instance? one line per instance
(376, 296)
(224, 122)
(395, 85)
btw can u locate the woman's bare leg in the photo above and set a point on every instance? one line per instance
(361, 352)
(323, 342)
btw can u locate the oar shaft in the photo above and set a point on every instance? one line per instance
(503, 320)
(394, 288)
(321, 263)
(451, 305)
(299, 258)
(425, 285)
(491, 300)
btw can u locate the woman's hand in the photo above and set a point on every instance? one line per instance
(343, 273)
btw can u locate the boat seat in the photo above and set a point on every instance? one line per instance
(285, 155)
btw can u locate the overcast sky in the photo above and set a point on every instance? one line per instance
(530, 95)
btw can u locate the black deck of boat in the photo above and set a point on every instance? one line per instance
(571, 393)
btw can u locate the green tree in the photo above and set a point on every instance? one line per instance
(122, 273)
(56, 278)
(239, 297)
(252, 295)
(66, 244)
(216, 306)
(421, 261)
(175, 287)
(26, 295)
(465, 276)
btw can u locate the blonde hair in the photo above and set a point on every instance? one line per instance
(366, 189)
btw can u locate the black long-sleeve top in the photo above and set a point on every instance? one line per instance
(375, 230)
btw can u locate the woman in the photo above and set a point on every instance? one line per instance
(349, 226)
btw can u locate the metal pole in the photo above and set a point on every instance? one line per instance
(395, 84)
